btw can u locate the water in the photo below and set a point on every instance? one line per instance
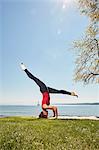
(67, 110)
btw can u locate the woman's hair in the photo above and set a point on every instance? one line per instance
(42, 115)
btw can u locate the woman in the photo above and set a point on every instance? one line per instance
(45, 93)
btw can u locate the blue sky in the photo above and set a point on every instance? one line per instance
(40, 34)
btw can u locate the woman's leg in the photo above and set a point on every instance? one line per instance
(42, 86)
(55, 91)
(31, 76)
(51, 90)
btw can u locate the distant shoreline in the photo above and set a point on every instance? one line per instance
(76, 104)
(52, 104)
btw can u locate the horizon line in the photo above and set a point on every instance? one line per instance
(82, 103)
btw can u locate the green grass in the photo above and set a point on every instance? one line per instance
(17, 133)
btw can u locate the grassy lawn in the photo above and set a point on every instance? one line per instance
(17, 133)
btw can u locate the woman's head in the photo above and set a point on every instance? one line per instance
(43, 114)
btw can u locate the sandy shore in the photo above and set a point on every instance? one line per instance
(79, 117)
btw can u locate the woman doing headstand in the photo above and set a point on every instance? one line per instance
(45, 93)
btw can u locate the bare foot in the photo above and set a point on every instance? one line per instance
(73, 94)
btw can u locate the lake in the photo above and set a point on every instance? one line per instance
(67, 110)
